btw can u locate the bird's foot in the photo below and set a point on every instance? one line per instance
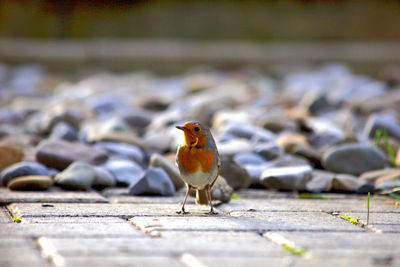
(212, 212)
(183, 212)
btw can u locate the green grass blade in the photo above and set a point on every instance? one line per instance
(368, 199)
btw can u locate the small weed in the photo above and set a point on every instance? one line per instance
(379, 133)
(349, 219)
(368, 199)
(299, 251)
(234, 196)
(312, 196)
(17, 219)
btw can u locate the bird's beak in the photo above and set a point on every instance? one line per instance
(181, 128)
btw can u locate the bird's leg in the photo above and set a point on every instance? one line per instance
(184, 202)
(212, 212)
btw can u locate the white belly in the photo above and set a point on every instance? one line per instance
(200, 179)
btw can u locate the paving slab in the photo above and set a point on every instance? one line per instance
(4, 215)
(148, 261)
(361, 241)
(99, 210)
(55, 196)
(120, 195)
(91, 228)
(246, 221)
(385, 222)
(245, 244)
(19, 252)
(310, 205)
(297, 221)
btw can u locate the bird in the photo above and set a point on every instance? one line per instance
(198, 162)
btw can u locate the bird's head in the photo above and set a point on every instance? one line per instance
(195, 134)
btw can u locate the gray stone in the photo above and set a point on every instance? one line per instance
(64, 131)
(124, 171)
(80, 175)
(321, 181)
(22, 169)
(221, 190)
(382, 121)
(249, 132)
(138, 119)
(255, 172)
(43, 122)
(60, 154)
(158, 161)
(31, 182)
(353, 159)
(234, 146)
(269, 151)
(349, 183)
(155, 181)
(248, 158)
(235, 175)
(372, 176)
(287, 178)
(288, 160)
(130, 151)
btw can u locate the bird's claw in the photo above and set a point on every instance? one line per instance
(182, 212)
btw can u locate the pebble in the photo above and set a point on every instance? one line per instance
(155, 181)
(9, 155)
(235, 175)
(158, 161)
(22, 169)
(221, 190)
(60, 154)
(382, 121)
(255, 172)
(248, 158)
(372, 176)
(124, 170)
(353, 159)
(83, 176)
(234, 146)
(321, 181)
(287, 178)
(268, 151)
(249, 132)
(349, 183)
(63, 130)
(288, 142)
(127, 150)
(31, 182)
(305, 130)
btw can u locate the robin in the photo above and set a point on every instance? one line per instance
(198, 162)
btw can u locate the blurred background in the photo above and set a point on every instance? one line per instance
(149, 34)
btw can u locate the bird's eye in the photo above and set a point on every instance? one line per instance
(196, 129)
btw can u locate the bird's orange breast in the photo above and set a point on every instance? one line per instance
(191, 159)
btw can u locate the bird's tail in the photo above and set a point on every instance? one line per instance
(202, 197)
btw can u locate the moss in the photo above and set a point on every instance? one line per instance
(353, 221)
(312, 196)
(349, 219)
(234, 196)
(17, 219)
(299, 251)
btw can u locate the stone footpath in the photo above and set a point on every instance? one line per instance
(259, 228)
